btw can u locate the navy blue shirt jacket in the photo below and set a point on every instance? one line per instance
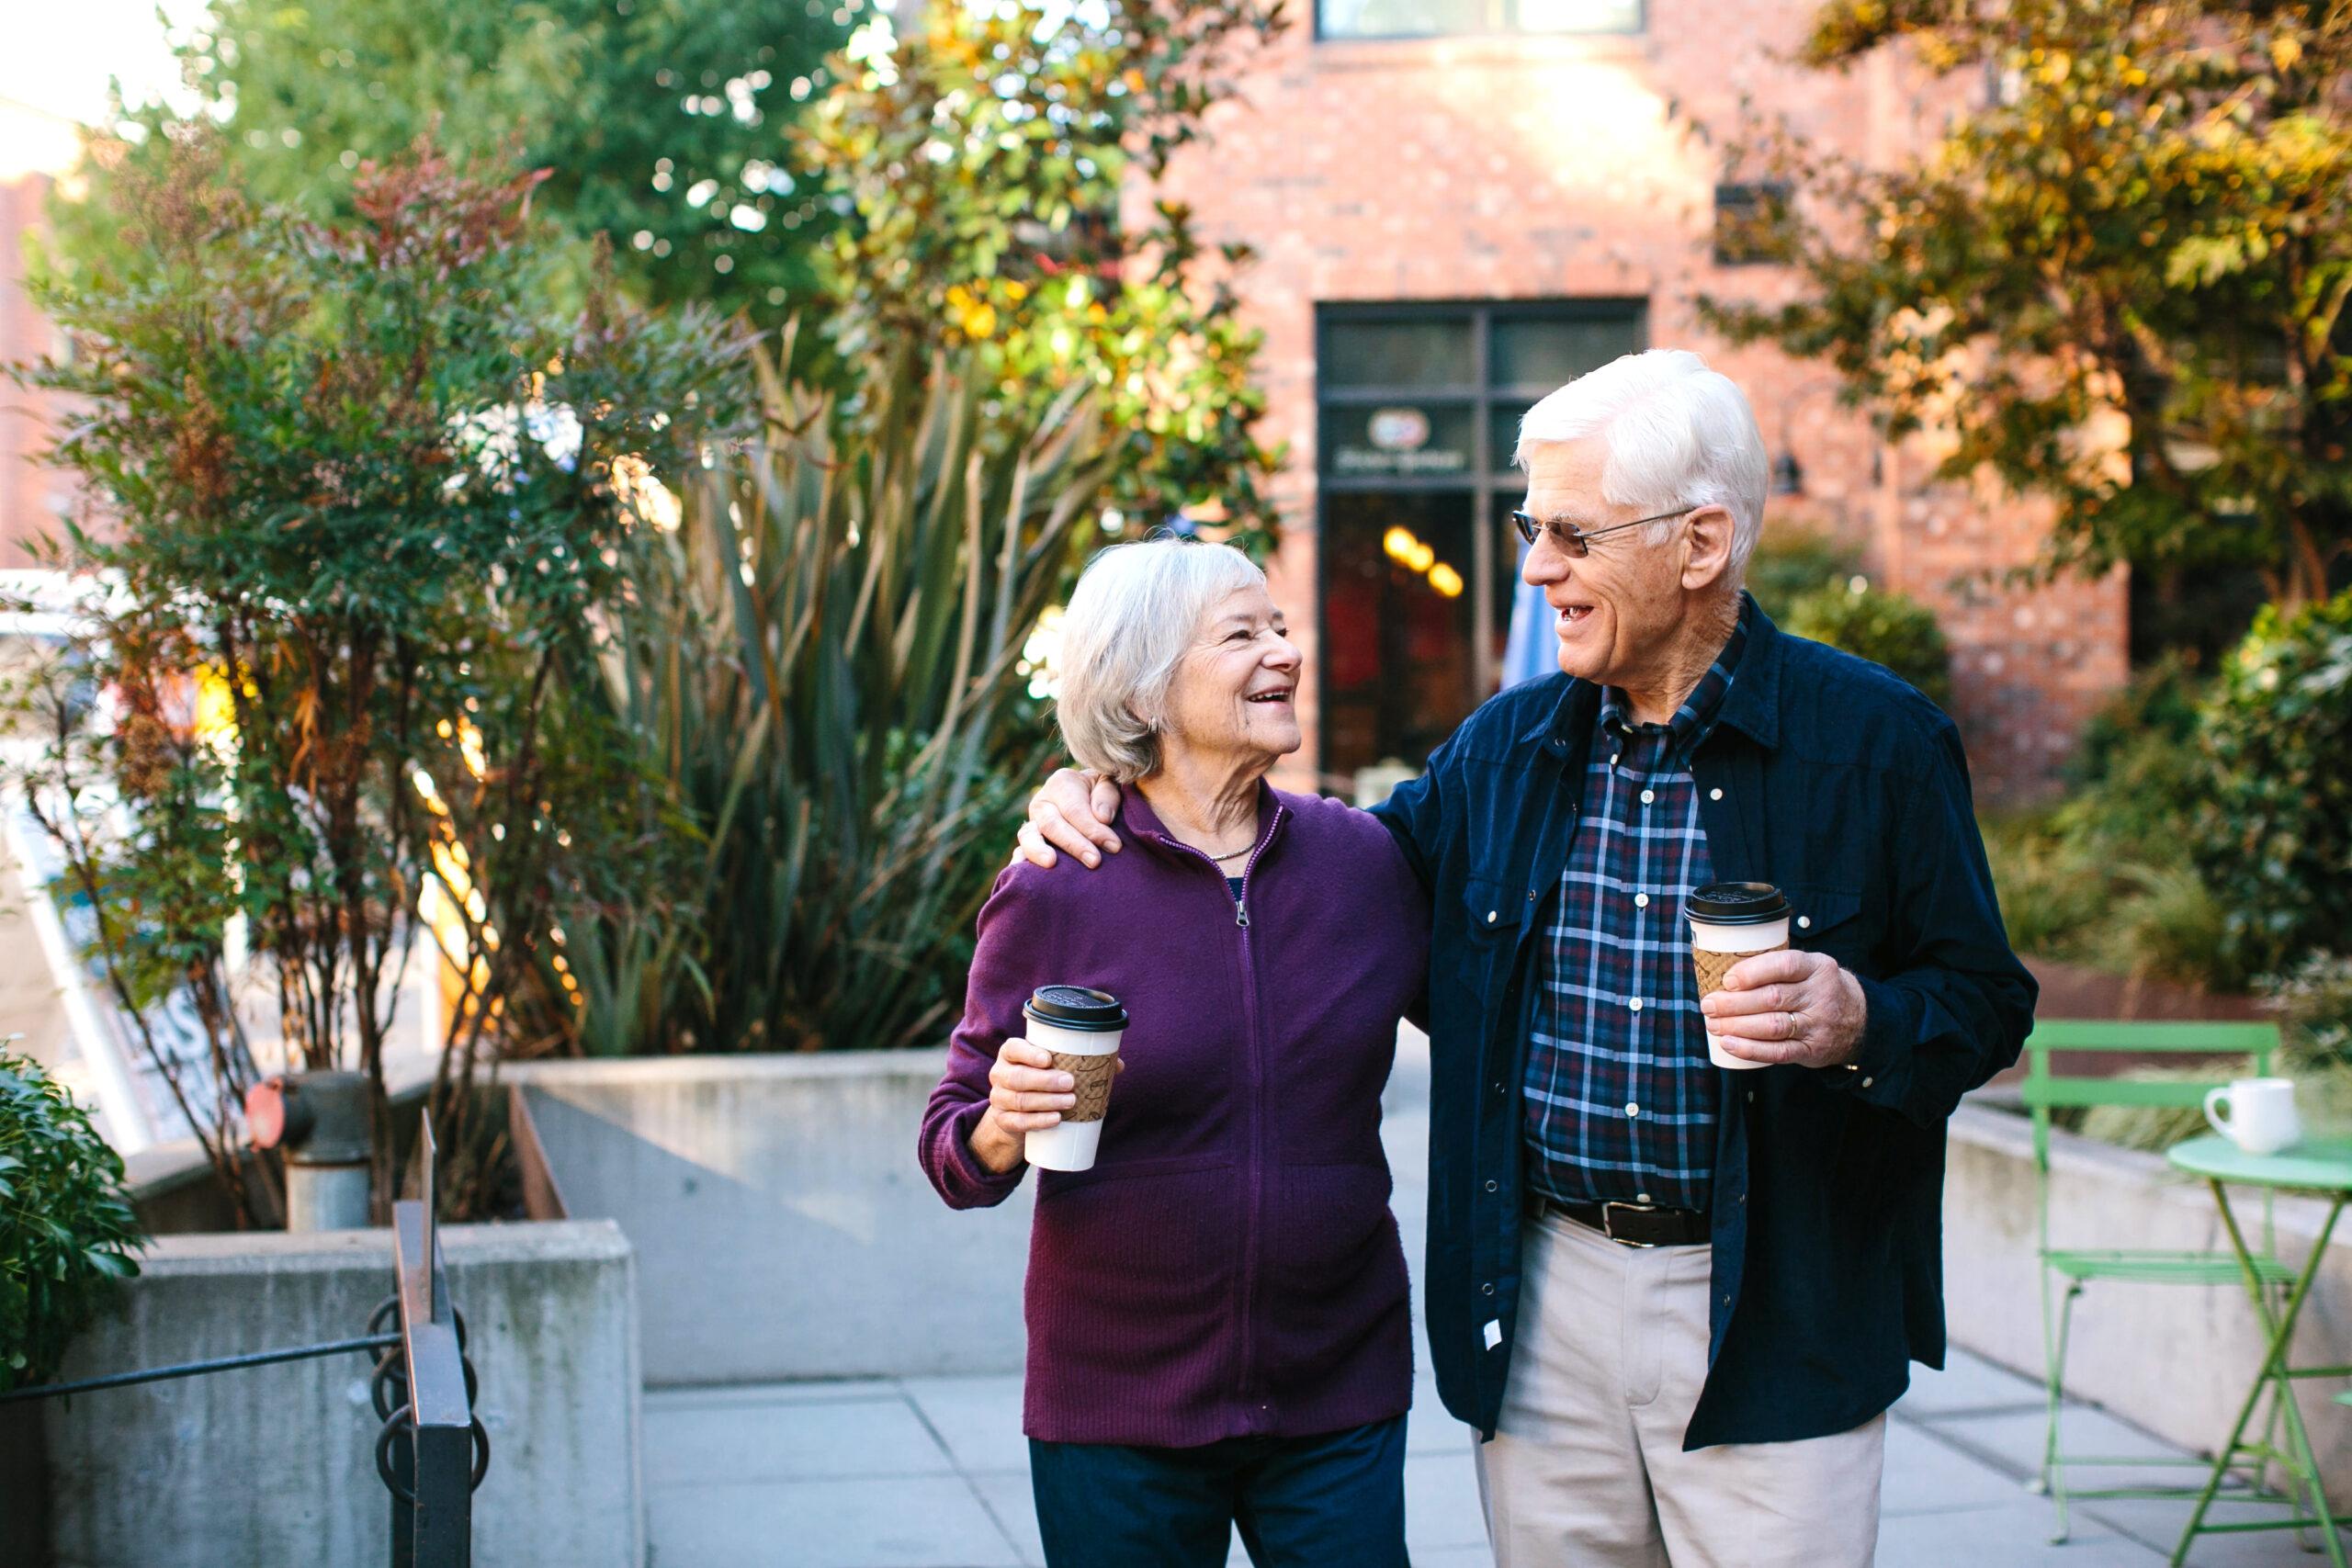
(1832, 778)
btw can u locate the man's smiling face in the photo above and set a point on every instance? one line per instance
(1618, 608)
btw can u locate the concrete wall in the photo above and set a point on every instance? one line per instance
(782, 1226)
(276, 1464)
(2174, 1359)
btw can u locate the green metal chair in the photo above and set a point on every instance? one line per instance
(2045, 1092)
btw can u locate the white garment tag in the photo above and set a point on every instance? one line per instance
(1494, 1333)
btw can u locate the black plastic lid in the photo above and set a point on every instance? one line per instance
(1737, 904)
(1080, 1007)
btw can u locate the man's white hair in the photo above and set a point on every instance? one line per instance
(1136, 609)
(1675, 433)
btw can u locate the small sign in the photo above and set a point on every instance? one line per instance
(1398, 430)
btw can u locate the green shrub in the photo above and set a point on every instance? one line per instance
(2314, 1007)
(2275, 838)
(2157, 712)
(2314, 1010)
(821, 661)
(1791, 562)
(1885, 627)
(2051, 896)
(66, 1230)
(2105, 878)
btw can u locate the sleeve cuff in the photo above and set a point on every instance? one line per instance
(1878, 1068)
(973, 1182)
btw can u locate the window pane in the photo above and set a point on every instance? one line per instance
(1430, 18)
(1424, 353)
(1406, 18)
(1538, 353)
(1397, 667)
(1578, 16)
(1502, 428)
(1398, 438)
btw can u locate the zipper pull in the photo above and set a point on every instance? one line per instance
(1241, 913)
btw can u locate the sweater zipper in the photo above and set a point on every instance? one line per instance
(1253, 1220)
(1253, 1214)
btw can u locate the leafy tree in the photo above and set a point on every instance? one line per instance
(1885, 627)
(2274, 835)
(2118, 281)
(665, 124)
(366, 494)
(981, 160)
(67, 1229)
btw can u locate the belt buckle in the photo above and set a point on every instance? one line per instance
(1609, 1208)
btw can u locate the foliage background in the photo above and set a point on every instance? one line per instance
(666, 127)
(2117, 279)
(66, 1230)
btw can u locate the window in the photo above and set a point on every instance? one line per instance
(1419, 409)
(1749, 219)
(1453, 18)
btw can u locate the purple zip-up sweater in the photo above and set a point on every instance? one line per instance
(1230, 1266)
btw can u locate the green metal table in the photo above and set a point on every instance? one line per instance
(2322, 1168)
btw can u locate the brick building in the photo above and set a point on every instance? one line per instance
(33, 496)
(1458, 204)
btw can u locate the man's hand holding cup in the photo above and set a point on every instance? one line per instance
(1789, 1006)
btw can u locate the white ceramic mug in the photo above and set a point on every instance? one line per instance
(2261, 1119)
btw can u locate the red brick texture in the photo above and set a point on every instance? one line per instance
(1558, 168)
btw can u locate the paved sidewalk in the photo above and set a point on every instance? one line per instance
(932, 1472)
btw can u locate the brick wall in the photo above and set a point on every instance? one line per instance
(31, 496)
(1547, 168)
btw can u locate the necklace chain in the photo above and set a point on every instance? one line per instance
(1235, 854)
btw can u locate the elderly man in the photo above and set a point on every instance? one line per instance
(1677, 1298)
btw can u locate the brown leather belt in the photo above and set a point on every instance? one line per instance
(1630, 1224)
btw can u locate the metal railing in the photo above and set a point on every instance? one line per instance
(432, 1450)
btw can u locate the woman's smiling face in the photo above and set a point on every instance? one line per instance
(1235, 692)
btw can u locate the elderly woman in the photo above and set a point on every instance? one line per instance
(1217, 1325)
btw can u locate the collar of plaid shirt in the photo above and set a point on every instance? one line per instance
(1621, 1100)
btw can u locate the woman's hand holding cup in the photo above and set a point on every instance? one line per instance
(1026, 1094)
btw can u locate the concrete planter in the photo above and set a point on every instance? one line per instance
(2175, 1360)
(277, 1464)
(782, 1226)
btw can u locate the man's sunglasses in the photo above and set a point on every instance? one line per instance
(1573, 541)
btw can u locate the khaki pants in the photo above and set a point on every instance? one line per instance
(1587, 1469)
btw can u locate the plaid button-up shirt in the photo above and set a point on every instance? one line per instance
(1621, 1098)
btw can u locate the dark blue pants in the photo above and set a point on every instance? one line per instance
(1336, 1500)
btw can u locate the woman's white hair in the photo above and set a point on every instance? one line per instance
(1136, 609)
(1677, 435)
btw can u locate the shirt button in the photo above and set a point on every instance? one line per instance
(1490, 916)
(1714, 794)
(1612, 758)
(1641, 1197)
(1631, 1109)
(1867, 1082)
(1494, 1186)
(1648, 795)
(1635, 1004)
(1487, 1290)
(1641, 901)
(1804, 922)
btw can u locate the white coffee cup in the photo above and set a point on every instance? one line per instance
(2261, 1119)
(1735, 917)
(1074, 1020)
